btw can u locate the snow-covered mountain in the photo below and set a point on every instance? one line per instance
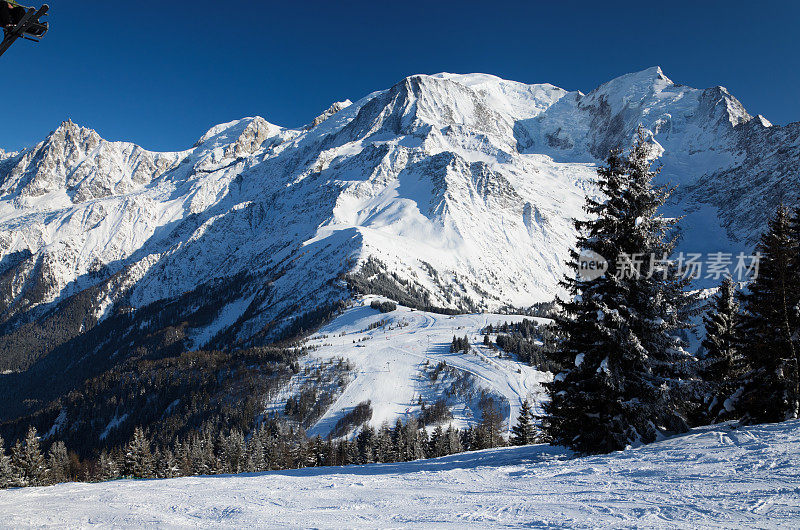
(461, 187)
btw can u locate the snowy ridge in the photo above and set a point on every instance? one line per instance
(712, 477)
(463, 185)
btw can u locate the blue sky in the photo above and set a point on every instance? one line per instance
(161, 73)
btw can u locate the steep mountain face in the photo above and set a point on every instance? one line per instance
(457, 189)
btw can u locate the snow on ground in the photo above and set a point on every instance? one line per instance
(392, 362)
(712, 477)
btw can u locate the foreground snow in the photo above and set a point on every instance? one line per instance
(715, 476)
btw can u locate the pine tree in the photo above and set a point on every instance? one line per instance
(201, 455)
(231, 452)
(414, 447)
(28, 462)
(183, 458)
(621, 348)
(384, 447)
(319, 452)
(524, 432)
(437, 445)
(490, 428)
(254, 459)
(138, 458)
(453, 441)
(769, 328)
(165, 464)
(722, 366)
(58, 463)
(794, 279)
(107, 466)
(366, 445)
(6, 472)
(399, 445)
(304, 454)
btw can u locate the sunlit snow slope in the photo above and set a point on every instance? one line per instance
(711, 477)
(393, 363)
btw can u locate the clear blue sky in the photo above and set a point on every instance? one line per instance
(161, 73)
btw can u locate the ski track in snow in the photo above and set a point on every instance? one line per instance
(712, 477)
(390, 364)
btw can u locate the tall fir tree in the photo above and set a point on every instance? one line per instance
(490, 428)
(723, 364)
(6, 472)
(138, 462)
(436, 443)
(28, 461)
(454, 444)
(794, 275)
(622, 348)
(524, 432)
(107, 468)
(769, 328)
(58, 463)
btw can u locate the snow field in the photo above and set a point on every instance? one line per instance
(392, 363)
(714, 477)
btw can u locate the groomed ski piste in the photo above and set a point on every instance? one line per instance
(712, 477)
(394, 354)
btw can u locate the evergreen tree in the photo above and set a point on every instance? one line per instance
(138, 460)
(414, 446)
(453, 441)
(232, 453)
(524, 432)
(366, 445)
(28, 462)
(460, 344)
(399, 445)
(794, 279)
(255, 455)
(58, 463)
(383, 445)
(165, 464)
(201, 455)
(319, 451)
(769, 328)
(621, 345)
(183, 458)
(305, 454)
(6, 472)
(490, 428)
(437, 446)
(107, 466)
(723, 365)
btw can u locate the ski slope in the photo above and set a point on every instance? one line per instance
(712, 477)
(392, 364)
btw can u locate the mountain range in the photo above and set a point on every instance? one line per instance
(451, 192)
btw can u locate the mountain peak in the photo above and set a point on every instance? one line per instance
(636, 84)
(330, 111)
(655, 72)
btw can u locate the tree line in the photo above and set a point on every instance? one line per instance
(273, 445)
